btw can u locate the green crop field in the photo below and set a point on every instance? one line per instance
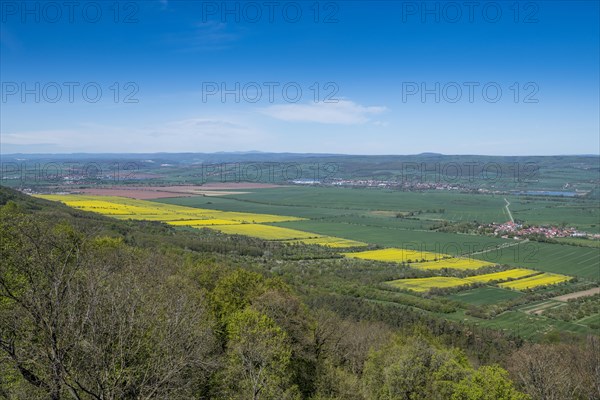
(230, 203)
(446, 243)
(433, 205)
(583, 214)
(563, 259)
(485, 295)
(525, 325)
(532, 325)
(591, 321)
(459, 207)
(382, 219)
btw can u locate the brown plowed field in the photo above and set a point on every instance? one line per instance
(159, 192)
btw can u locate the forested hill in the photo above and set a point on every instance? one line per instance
(95, 308)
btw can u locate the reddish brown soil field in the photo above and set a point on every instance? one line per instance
(231, 185)
(159, 192)
(140, 194)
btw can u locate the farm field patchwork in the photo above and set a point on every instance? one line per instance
(426, 284)
(395, 255)
(535, 281)
(453, 263)
(516, 273)
(352, 220)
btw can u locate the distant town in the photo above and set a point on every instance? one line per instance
(522, 231)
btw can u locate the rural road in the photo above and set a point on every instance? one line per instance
(508, 211)
(502, 246)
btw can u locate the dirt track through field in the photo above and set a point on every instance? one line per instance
(583, 293)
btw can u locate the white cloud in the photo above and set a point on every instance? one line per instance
(204, 36)
(344, 112)
(383, 124)
(194, 135)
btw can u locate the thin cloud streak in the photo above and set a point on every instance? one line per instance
(343, 112)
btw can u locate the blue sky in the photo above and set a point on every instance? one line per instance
(379, 77)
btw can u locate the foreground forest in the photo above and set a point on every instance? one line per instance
(94, 308)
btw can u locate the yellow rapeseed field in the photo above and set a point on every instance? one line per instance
(126, 208)
(330, 241)
(229, 222)
(203, 222)
(426, 284)
(266, 232)
(396, 255)
(504, 275)
(453, 263)
(531, 282)
(252, 218)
